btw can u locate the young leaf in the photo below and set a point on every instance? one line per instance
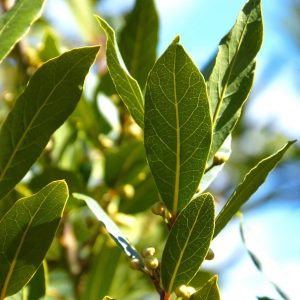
(177, 126)
(26, 233)
(138, 40)
(110, 226)
(15, 23)
(232, 76)
(252, 181)
(49, 98)
(209, 291)
(188, 243)
(126, 86)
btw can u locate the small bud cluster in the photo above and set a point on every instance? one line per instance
(149, 259)
(185, 292)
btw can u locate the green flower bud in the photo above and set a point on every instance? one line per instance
(210, 255)
(135, 264)
(149, 251)
(158, 209)
(151, 262)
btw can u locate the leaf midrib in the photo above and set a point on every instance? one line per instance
(3, 173)
(216, 113)
(177, 172)
(14, 262)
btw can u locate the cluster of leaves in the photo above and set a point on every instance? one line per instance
(173, 140)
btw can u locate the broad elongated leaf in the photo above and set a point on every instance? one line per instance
(188, 243)
(252, 181)
(26, 233)
(16, 22)
(139, 39)
(110, 226)
(126, 86)
(230, 82)
(49, 98)
(209, 291)
(177, 126)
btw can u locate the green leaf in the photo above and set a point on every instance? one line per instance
(26, 232)
(252, 181)
(209, 291)
(126, 86)
(188, 243)
(102, 272)
(49, 98)
(231, 80)
(37, 286)
(110, 226)
(177, 126)
(138, 40)
(16, 22)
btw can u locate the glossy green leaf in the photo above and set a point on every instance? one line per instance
(177, 126)
(49, 98)
(15, 23)
(188, 243)
(209, 291)
(110, 226)
(231, 80)
(252, 181)
(138, 40)
(126, 86)
(21, 229)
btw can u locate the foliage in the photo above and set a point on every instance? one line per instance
(171, 142)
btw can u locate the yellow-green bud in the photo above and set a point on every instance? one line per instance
(210, 255)
(181, 291)
(158, 209)
(149, 251)
(135, 264)
(219, 159)
(185, 292)
(151, 262)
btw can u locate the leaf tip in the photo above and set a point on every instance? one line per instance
(176, 40)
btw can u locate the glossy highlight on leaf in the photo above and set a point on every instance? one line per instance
(16, 22)
(188, 243)
(126, 86)
(231, 80)
(49, 98)
(210, 291)
(26, 233)
(177, 126)
(138, 40)
(252, 181)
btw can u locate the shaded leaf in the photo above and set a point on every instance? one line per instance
(102, 272)
(126, 86)
(37, 286)
(177, 126)
(252, 181)
(49, 48)
(210, 291)
(188, 243)
(49, 98)
(21, 229)
(138, 40)
(15, 23)
(110, 226)
(230, 82)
